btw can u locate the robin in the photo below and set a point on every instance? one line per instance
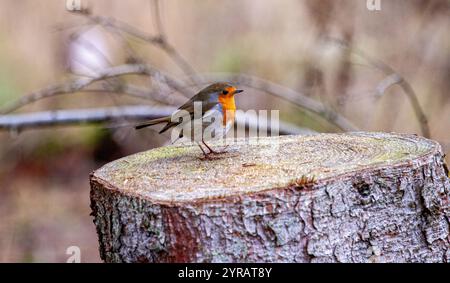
(207, 115)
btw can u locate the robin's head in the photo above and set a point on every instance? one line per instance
(223, 90)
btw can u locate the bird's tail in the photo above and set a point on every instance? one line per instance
(152, 122)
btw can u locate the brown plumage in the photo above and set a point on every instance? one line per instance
(218, 97)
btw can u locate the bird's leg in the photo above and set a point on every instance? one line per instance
(207, 146)
(211, 150)
(204, 152)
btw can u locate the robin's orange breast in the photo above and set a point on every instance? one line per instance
(228, 108)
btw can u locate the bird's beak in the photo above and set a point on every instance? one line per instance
(238, 91)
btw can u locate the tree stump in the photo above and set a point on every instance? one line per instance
(356, 197)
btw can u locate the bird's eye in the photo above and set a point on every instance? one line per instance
(225, 92)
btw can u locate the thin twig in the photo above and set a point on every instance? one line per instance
(159, 40)
(157, 17)
(400, 80)
(386, 83)
(165, 44)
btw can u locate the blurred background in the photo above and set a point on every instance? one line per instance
(44, 187)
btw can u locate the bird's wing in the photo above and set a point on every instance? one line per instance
(189, 108)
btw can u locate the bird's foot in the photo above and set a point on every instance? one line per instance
(210, 156)
(218, 152)
(223, 151)
(213, 154)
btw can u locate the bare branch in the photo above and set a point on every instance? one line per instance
(423, 120)
(82, 83)
(19, 122)
(388, 71)
(157, 17)
(114, 24)
(386, 83)
(155, 95)
(80, 116)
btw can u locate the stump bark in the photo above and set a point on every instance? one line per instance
(357, 197)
